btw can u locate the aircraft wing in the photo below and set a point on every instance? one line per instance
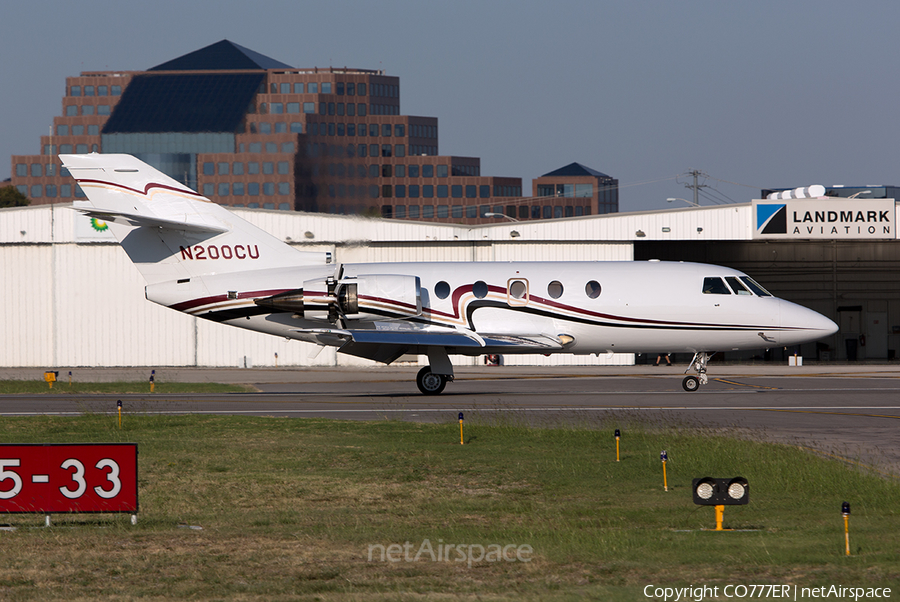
(391, 340)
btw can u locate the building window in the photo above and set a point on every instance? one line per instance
(413, 191)
(455, 191)
(428, 211)
(309, 107)
(296, 127)
(361, 109)
(93, 130)
(399, 211)
(65, 191)
(209, 189)
(399, 150)
(65, 149)
(284, 167)
(223, 168)
(37, 170)
(116, 90)
(548, 212)
(428, 191)
(442, 191)
(284, 188)
(71, 111)
(284, 206)
(237, 168)
(400, 192)
(326, 87)
(224, 188)
(268, 168)
(87, 109)
(444, 211)
(271, 147)
(89, 90)
(413, 171)
(268, 188)
(298, 88)
(102, 109)
(285, 88)
(209, 168)
(428, 171)
(253, 189)
(484, 191)
(253, 167)
(75, 91)
(51, 191)
(471, 211)
(442, 171)
(21, 170)
(78, 130)
(313, 88)
(36, 191)
(470, 191)
(237, 189)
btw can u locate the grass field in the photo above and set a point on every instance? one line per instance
(236, 508)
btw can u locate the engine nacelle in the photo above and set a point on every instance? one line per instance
(363, 296)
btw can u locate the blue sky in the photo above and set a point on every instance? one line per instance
(755, 94)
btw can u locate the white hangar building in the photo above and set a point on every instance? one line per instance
(74, 298)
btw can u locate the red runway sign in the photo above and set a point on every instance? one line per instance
(52, 479)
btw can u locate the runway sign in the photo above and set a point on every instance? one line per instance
(59, 478)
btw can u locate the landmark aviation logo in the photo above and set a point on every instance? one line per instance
(771, 219)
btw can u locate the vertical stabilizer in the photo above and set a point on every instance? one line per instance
(169, 231)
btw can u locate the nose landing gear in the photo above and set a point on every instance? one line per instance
(698, 364)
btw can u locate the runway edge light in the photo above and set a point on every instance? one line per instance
(617, 445)
(845, 512)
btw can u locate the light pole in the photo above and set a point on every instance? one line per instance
(503, 215)
(691, 203)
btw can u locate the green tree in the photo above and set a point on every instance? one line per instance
(11, 197)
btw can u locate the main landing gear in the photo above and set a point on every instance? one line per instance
(701, 359)
(430, 383)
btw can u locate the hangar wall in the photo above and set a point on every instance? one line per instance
(75, 299)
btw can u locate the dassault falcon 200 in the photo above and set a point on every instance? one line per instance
(199, 258)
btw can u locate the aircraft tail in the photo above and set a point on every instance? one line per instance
(169, 231)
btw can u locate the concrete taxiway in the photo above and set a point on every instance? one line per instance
(849, 411)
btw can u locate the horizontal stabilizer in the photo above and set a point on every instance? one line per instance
(134, 219)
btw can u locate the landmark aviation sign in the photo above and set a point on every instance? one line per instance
(829, 218)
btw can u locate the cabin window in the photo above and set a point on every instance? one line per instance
(442, 290)
(736, 286)
(592, 289)
(754, 286)
(555, 289)
(713, 285)
(480, 289)
(517, 289)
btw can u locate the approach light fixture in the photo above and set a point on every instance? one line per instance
(710, 491)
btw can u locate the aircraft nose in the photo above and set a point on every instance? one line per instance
(803, 325)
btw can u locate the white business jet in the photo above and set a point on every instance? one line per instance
(199, 258)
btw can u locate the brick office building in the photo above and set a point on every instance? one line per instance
(246, 130)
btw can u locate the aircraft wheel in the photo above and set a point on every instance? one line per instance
(690, 383)
(430, 383)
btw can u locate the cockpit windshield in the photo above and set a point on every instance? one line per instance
(737, 285)
(754, 286)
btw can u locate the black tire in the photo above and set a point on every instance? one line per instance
(690, 383)
(430, 383)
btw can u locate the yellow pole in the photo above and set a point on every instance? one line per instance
(845, 511)
(720, 515)
(847, 533)
(461, 441)
(664, 456)
(617, 445)
(119, 408)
